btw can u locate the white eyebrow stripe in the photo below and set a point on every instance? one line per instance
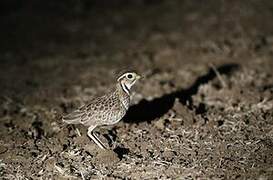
(121, 77)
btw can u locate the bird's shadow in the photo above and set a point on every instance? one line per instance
(150, 110)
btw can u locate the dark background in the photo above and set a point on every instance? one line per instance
(203, 110)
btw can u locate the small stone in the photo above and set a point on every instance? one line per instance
(50, 164)
(91, 148)
(106, 158)
(3, 149)
(160, 123)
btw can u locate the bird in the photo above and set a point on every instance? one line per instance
(107, 109)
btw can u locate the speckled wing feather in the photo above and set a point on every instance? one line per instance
(88, 113)
(107, 109)
(75, 117)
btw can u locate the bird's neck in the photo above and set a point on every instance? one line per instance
(124, 88)
(124, 94)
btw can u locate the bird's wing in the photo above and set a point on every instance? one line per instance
(78, 116)
(92, 110)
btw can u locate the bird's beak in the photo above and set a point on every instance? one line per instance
(138, 77)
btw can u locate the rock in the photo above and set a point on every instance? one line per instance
(106, 158)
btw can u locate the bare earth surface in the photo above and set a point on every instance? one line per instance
(185, 121)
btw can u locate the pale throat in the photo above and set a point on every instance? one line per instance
(124, 94)
(125, 88)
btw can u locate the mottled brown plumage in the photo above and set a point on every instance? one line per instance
(105, 110)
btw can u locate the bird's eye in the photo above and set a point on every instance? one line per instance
(129, 76)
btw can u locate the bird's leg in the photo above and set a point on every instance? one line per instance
(94, 137)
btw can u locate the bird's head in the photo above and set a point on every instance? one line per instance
(127, 80)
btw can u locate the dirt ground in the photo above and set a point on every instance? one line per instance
(203, 111)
